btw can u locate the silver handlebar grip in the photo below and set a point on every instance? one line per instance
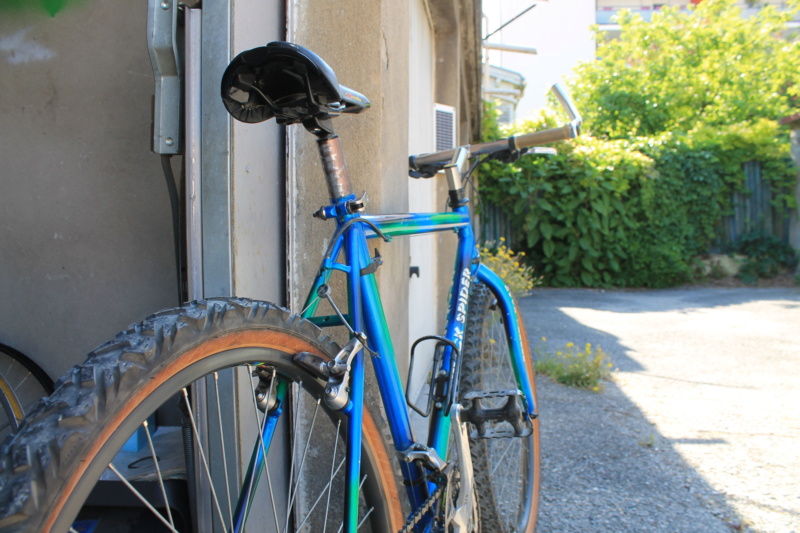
(570, 130)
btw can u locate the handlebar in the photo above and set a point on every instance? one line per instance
(428, 164)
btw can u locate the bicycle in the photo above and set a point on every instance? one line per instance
(349, 443)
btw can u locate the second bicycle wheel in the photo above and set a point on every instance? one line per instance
(506, 470)
(22, 384)
(63, 469)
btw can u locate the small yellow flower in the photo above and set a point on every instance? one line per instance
(570, 345)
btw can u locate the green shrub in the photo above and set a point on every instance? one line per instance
(766, 256)
(676, 112)
(629, 213)
(572, 366)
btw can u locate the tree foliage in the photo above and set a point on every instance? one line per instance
(674, 107)
(702, 67)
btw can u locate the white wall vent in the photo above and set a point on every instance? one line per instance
(445, 117)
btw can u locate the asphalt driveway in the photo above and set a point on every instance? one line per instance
(699, 431)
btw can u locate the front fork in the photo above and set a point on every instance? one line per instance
(462, 518)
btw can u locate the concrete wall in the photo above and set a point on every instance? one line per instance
(85, 231)
(366, 44)
(86, 236)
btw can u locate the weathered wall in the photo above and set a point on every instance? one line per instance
(457, 34)
(85, 231)
(366, 44)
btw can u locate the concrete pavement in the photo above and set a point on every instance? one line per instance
(700, 428)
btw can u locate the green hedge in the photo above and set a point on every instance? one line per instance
(626, 213)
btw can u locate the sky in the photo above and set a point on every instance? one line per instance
(558, 29)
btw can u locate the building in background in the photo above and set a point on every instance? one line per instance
(608, 9)
(504, 87)
(559, 30)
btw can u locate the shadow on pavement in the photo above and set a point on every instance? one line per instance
(605, 466)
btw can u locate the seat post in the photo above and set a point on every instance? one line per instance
(334, 166)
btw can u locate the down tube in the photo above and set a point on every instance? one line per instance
(512, 318)
(387, 374)
(352, 247)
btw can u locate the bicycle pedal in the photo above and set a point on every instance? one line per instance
(508, 420)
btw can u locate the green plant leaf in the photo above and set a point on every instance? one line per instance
(548, 247)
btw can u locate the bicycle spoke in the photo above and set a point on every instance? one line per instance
(504, 486)
(140, 497)
(293, 492)
(203, 457)
(499, 461)
(291, 466)
(369, 512)
(333, 462)
(321, 494)
(158, 472)
(222, 444)
(261, 426)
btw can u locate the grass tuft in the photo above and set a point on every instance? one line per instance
(583, 368)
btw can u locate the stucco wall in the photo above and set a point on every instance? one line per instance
(366, 45)
(85, 231)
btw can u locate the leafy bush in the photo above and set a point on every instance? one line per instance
(588, 216)
(572, 366)
(675, 114)
(766, 256)
(708, 65)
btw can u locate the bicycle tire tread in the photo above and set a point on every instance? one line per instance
(473, 366)
(35, 464)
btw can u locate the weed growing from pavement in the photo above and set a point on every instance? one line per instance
(583, 368)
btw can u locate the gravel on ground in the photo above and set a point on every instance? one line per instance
(698, 430)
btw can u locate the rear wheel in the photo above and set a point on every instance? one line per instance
(506, 470)
(115, 417)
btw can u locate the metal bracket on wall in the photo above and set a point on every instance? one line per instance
(162, 20)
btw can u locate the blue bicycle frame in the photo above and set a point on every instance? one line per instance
(365, 314)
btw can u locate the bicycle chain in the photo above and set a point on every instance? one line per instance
(426, 506)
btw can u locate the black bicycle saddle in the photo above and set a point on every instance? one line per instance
(288, 82)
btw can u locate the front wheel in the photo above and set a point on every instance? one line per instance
(158, 428)
(506, 470)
